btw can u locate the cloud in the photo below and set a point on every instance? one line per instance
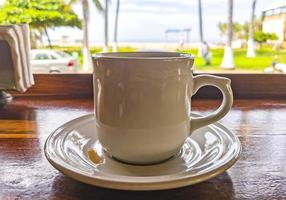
(135, 8)
(178, 3)
(148, 19)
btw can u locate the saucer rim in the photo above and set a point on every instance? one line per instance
(107, 182)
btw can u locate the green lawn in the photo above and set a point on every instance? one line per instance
(263, 59)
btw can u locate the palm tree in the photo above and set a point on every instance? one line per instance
(116, 26)
(85, 45)
(227, 61)
(250, 44)
(105, 49)
(200, 27)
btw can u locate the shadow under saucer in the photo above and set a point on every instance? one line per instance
(220, 187)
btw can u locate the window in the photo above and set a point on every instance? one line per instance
(62, 54)
(200, 28)
(41, 56)
(257, 44)
(53, 57)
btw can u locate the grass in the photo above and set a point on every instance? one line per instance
(264, 58)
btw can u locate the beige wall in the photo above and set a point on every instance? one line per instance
(275, 24)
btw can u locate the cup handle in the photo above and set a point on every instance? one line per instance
(223, 84)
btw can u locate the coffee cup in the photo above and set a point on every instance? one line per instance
(143, 103)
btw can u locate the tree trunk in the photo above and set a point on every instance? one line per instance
(115, 46)
(227, 61)
(105, 49)
(85, 44)
(250, 42)
(200, 28)
(35, 39)
(48, 37)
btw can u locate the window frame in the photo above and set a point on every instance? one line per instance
(245, 86)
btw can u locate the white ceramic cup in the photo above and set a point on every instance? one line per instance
(143, 103)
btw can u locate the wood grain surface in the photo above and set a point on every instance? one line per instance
(260, 173)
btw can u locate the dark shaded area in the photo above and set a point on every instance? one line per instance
(221, 186)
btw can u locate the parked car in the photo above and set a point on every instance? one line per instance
(53, 61)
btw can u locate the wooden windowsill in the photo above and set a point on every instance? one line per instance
(245, 86)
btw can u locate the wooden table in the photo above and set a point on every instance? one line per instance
(260, 173)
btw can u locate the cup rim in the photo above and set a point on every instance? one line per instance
(145, 55)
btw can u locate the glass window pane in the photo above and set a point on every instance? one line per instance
(42, 56)
(202, 28)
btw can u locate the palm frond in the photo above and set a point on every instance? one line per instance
(98, 5)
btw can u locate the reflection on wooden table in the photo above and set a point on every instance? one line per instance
(26, 174)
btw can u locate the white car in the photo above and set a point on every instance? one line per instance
(53, 61)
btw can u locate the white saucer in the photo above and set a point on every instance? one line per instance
(74, 150)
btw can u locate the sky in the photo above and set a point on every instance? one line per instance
(147, 20)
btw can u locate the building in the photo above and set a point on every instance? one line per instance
(274, 21)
